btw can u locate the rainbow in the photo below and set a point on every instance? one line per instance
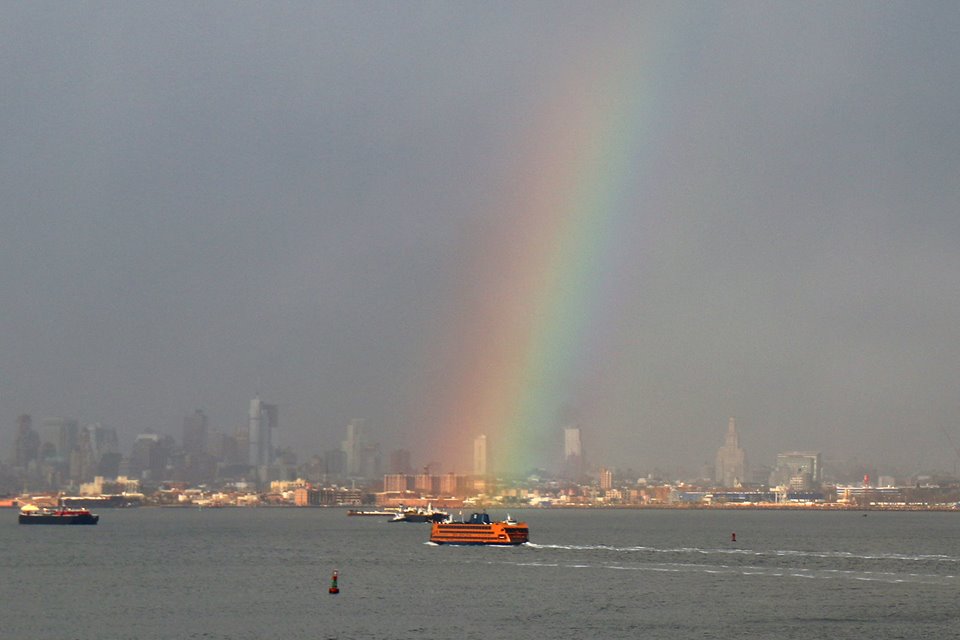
(543, 279)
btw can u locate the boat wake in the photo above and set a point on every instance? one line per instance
(773, 563)
(782, 553)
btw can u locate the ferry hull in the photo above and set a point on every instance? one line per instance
(493, 534)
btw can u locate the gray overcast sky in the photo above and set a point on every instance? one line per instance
(206, 200)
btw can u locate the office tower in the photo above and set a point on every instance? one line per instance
(731, 462)
(263, 420)
(399, 461)
(797, 470)
(58, 437)
(27, 443)
(149, 456)
(573, 463)
(480, 455)
(353, 447)
(227, 448)
(82, 459)
(195, 433)
(335, 462)
(371, 461)
(102, 440)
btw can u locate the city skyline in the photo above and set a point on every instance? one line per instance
(458, 219)
(360, 456)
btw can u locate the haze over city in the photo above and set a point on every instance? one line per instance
(640, 218)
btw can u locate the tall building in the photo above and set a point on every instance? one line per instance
(798, 470)
(480, 455)
(58, 437)
(399, 461)
(573, 462)
(334, 463)
(195, 433)
(103, 440)
(606, 479)
(371, 461)
(353, 447)
(149, 456)
(27, 443)
(226, 448)
(731, 463)
(97, 451)
(263, 420)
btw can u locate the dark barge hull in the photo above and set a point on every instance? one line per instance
(80, 518)
(422, 517)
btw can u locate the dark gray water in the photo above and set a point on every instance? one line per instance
(263, 573)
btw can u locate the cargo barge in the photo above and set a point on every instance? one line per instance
(31, 514)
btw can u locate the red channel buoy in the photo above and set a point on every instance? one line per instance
(333, 583)
(733, 537)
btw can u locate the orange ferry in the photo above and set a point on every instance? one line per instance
(479, 530)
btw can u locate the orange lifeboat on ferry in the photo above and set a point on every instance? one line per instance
(480, 530)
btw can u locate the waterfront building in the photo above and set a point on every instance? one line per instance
(452, 484)
(606, 479)
(798, 470)
(426, 484)
(731, 461)
(395, 482)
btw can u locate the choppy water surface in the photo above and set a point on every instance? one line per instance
(264, 573)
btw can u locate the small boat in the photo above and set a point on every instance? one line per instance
(32, 514)
(360, 512)
(419, 514)
(480, 530)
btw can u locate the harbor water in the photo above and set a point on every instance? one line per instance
(232, 574)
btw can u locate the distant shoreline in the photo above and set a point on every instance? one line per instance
(829, 506)
(650, 507)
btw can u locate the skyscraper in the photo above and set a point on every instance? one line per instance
(263, 419)
(480, 455)
(27, 443)
(731, 462)
(573, 464)
(371, 460)
(149, 456)
(58, 437)
(353, 447)
(399, 461)
(195, 433)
